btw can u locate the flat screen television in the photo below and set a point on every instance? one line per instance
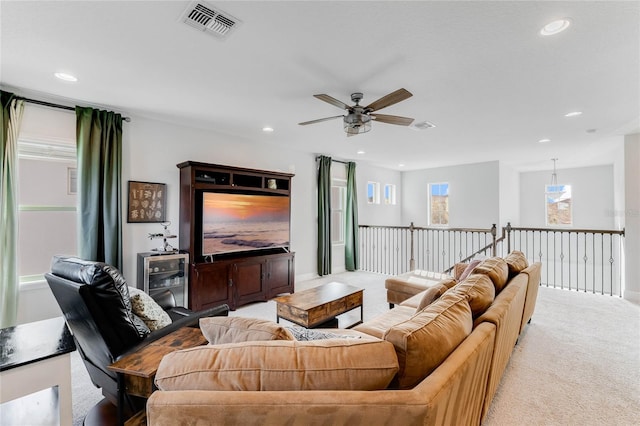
(233, 222)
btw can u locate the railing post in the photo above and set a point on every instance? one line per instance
(412, 261)
(494, 232)
(508, 228)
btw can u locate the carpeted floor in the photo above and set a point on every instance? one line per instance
(577, 363)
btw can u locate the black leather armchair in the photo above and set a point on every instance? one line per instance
(94, 299)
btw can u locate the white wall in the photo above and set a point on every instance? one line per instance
(152, 149)
(509, 196)
(378, 214)
(473, 194)
(591, 190)
(632, 217)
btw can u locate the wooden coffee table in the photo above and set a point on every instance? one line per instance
(315, 306)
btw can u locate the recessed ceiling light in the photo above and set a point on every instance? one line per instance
(400, 165)
(555, 27)
(573, 114)
(360, 152)
(267, 129)
(545, 140)
(66, 77)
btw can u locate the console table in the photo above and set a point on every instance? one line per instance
(33, 357)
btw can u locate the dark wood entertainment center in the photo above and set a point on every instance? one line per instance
(232, 278)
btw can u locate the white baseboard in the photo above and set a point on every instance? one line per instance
(306, 277)
(632, 296)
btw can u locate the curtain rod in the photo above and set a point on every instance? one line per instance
(52, 105)
(334, 161)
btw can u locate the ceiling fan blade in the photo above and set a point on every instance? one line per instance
(390, 99)
(392, 119)
(332, 101)
(320, 120)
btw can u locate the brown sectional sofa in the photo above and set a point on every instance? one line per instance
(450, 358)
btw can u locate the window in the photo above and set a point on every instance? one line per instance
(338, 202)
(558, 205)
(373, 193)
(47, 180)
(72, 181)
(439, 203)
(390, 194)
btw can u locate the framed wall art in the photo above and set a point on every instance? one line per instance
(147, 202)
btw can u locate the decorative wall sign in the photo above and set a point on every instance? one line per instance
(146, 202)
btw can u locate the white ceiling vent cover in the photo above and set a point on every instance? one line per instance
(209, 19)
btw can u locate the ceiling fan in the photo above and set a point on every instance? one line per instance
(358, 118)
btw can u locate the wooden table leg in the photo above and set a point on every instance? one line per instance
(121, 391)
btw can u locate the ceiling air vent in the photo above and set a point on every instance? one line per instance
(207, 18)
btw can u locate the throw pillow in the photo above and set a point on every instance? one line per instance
(304, 334)
(148, 310)
(220, 330)
(467, 271)
(278, 365)
(430, 295)
(516, 262)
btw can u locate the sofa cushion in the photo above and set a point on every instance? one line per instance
(379, 325)
(414, 281)
(423, 341)
(516, 262)
(479, 290)
(495, 268)
(219, 330)
(148, 310)
(277, 365)
(414, 301)
(430, 295)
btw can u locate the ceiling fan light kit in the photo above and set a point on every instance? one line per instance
(358, 118)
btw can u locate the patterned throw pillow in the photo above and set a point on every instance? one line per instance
(303, 334)
(148, 310)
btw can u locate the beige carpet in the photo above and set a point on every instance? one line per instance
(577, 363)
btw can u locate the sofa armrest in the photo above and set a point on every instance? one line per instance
(165, 299)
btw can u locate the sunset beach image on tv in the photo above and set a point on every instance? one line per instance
(238, 222)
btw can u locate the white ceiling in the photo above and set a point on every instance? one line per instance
(478, 70)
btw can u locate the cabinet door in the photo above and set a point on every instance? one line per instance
(280, 274)
(210, 286)
(248, 279)
(167, 272)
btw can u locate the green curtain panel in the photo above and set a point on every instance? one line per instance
(99, 145)
(351, 251)
(324, 216)
(12, 109)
